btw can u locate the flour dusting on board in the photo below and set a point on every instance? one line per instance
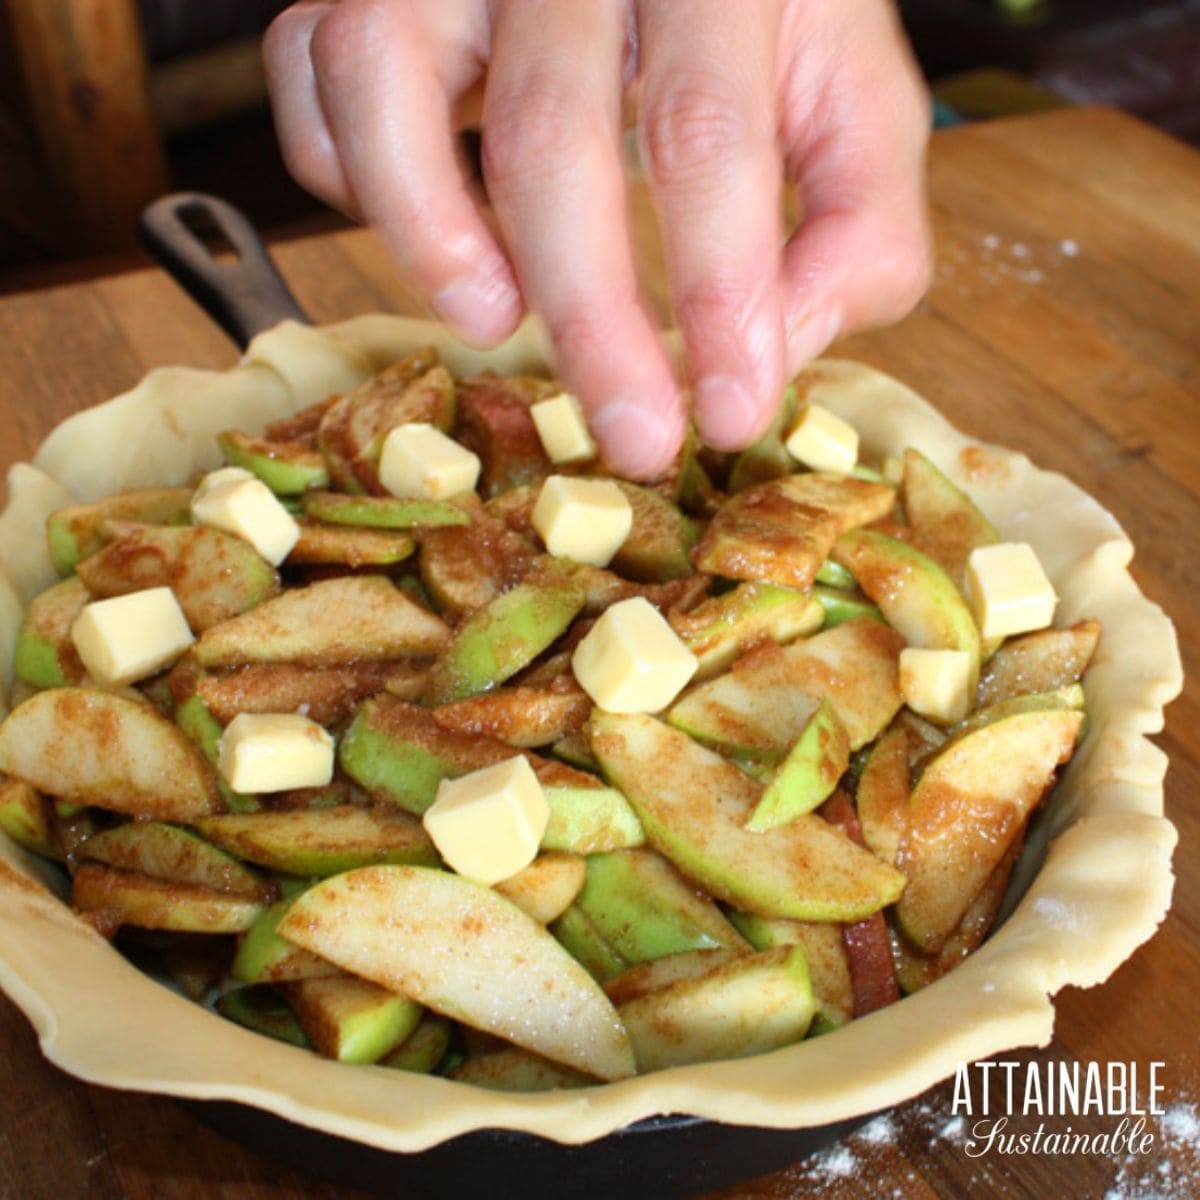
(993, 261)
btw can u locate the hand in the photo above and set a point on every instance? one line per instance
(733, 100)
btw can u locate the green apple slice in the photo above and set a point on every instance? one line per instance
(547, 887)
(640, 904)
(586, 815)
(25, 817)
(329, 623)
(882, 796)
(825, 954)
(44, 655)
(459, 948)
(213, 574)
(657, 546)
(177, 855)
(915, 595)
(382, 512)
(349, 1019)
(350, 546)
(767, 458)
(723, 627)
(494, 643)
(287, 468)
(465, 567)
(587, 945)
(520, 716)
(76, 532)
(645, 977)
(512, 1069)
(262, 1010)
(754, 1004)
(321, 841)
(1039, 662)
(760, 707)
(127, 898)
(968, 806)
(264, 957)
(494, 421)
(808, 775)
(423, 1049)
(839, 606)
(96, 748)
(693, 806)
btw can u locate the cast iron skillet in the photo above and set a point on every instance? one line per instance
(664, 1157)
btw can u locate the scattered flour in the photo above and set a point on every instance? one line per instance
(1068, 247)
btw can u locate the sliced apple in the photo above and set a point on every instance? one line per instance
(760, 707)
(882, 796)
(1039, 662)
(462, 950)
(808, 775)
(915, 595)
(321, 841)
(693, 806)
(511, 1069)
(44, 655)
(382, 512)
(25, 816)
(968, 806)
(645, 977)
(839, 606)
(946, 523)
(644, 908)
(192, 716)
(329, 623)
(494, 643)
(177, 855)
(349, 1019)
(264, 957)
(756, 1003)
(586, 815)
(547, 887)
(349, 546)
(520, 716)
(466, 567)
(78, 531)
(214, 575)
(287, 468)
(657, 545)
(587, 945)
(127, 898)
(423, 1049)
(94, 747)
(723, 627)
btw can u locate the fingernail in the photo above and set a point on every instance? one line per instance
(637, 440)
(483, 310)
(726, 412)
(813, 336)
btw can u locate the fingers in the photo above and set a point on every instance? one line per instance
(305, 141)
(385, 76)
(855, 128)
(552, 163)
(708, 141)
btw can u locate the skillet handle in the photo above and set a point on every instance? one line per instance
(243, 296)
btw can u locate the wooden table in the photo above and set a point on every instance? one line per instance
(1063, 322)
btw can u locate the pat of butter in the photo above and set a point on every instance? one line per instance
(487, 825)
(936, 684)
(562, 429)
(130, 637)
(631, 660)
(584, 519)
(237, 502)
(273, 752)
(823, 441)
(421, 462)
(1008, 590)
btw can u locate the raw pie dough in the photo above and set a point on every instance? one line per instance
(1103, 888)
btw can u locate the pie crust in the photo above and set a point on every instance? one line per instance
(1097, 868)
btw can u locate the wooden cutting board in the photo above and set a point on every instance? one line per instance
(1064, 321)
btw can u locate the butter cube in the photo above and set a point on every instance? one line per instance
(273, 752)
(631, 660)
(1008, 590)
(421, 462)
(562, 429)
(237, 502)
(487, 825)
(130, 637)
(823, 441)
(584, 519)
(936, 684)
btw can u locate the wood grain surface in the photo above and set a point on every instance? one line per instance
(1063, 322)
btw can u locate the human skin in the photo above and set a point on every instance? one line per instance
(733, 100)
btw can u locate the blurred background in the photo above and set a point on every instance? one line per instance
(105, 104)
